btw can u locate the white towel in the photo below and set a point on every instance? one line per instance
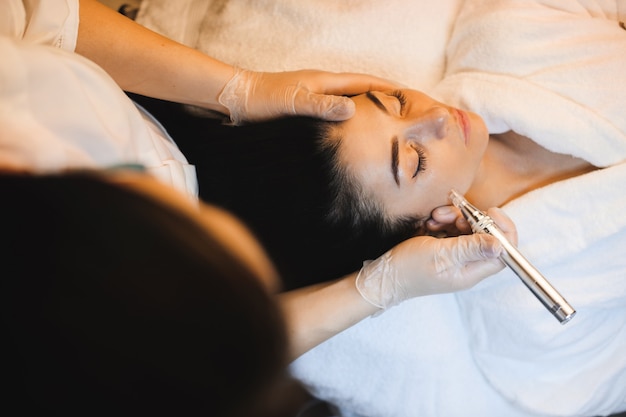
(551, 70)
(395, 39)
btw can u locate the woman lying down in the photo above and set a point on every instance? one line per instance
(352, 189)
(325, 196)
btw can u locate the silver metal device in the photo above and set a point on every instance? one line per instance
(511, 256)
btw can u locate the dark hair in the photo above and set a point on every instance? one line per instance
(284, 180)
(114, 304)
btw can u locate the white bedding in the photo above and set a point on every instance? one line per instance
(396, 39)
(552, 70)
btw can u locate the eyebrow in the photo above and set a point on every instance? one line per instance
(394, 159)
(376, 101)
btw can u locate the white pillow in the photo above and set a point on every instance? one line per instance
(395, 39)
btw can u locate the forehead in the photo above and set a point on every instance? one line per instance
(364, 152)
(366, 142)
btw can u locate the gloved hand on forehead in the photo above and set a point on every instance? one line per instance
(426, 265)
(255, 96)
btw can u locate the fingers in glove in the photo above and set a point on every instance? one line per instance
(322, 94)
(343, 84)
(469, 259)
(327, 107)
(505, 223)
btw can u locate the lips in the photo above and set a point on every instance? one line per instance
(464, 124)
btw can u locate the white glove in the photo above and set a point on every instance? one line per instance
(426, 265)
(254, 96)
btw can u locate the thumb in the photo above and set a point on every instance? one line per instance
(327, 107)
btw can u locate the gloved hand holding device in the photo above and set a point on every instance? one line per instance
(426, 265)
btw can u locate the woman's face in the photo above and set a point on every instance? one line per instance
(409, 150)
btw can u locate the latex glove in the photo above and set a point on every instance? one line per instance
(255, 96)
(426, 265)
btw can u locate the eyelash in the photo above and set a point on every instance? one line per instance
(401, 99)
(421, 161)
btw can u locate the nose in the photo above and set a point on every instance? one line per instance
(432, 124)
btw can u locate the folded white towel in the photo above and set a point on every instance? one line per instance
(550, 70)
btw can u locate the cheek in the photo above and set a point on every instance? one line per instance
(447, 171)
(431, 190)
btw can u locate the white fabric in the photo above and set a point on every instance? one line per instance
(395, 39)
(59, 110)
(41, 22)
(538, 68)
(549, 70)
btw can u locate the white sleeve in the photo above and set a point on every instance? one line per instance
(43, 22)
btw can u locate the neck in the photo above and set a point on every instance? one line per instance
(514, 165)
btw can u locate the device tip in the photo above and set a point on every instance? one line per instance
(455, 197)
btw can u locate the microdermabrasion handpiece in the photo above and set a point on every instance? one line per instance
(543, 290)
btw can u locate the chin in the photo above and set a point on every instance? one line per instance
(479, 129)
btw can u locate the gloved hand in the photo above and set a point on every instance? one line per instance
(426, 265)
(255, 96)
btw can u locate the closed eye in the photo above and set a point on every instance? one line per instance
(421, 161)
(401, 99)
